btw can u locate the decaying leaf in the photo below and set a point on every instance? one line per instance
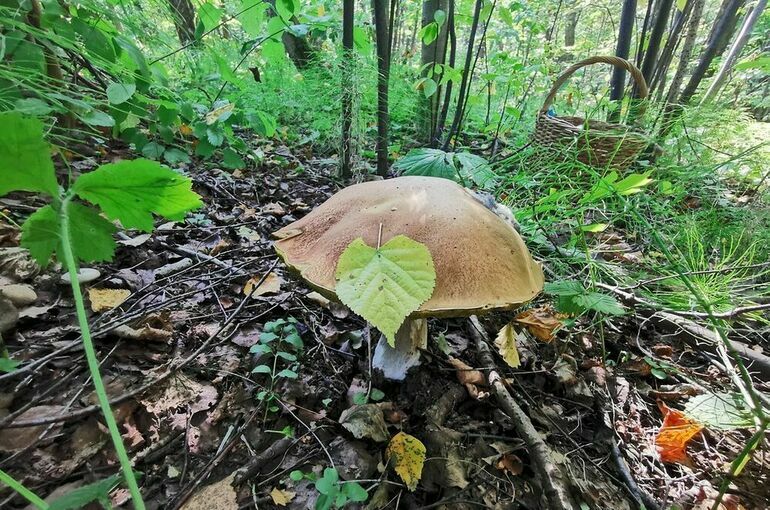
(365, 420)
(19, 438)
(541, 322)
(676, 431)
(510, 463)
(107, 299)
(271, 285)
(217, 496)
(466, 374)
(506, 344)
(407, 454)
(281, 497)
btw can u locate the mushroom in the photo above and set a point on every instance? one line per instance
(481, 262)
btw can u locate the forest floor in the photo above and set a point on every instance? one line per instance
(176, 356)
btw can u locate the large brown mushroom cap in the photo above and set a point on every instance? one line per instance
(481, 262)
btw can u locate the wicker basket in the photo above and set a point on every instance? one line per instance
(597, 143)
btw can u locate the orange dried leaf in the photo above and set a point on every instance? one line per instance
(676, 431)
(541, 322)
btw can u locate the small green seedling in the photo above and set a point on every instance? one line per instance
(77, 225)
(334, 493)
(362, 398)
(280, 341)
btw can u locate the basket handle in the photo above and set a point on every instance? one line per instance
(616, 61)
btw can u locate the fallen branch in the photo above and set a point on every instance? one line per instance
(552, 479)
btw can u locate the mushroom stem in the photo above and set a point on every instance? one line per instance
(396, 361)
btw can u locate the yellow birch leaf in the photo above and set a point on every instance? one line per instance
(271, 285)
(506, 344)
(407, 454)
(281, 497)
(107, 299)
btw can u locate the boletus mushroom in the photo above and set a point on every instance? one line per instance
(481, 263)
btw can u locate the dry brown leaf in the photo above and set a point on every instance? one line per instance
(510, 463)
(271, 285)
(282, 497)
(541, 322)
(466, 375)
(274, 208)
(107, 299)
(217, 496)
(19, 438)
(506, 344)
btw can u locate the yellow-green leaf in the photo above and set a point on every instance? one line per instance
(506, 344)
(385, 285)
(25, 158)
(407, 454)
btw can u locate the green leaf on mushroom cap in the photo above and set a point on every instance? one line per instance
(384, 285)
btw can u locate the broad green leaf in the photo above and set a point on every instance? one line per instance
(476, 168)
(32, 106)
(232, 160)
(429, 33)
(287, 8)
(25, 158)
(428, 86)
(565, 288)
(8, 365)
(91, 234)
(174, 156)
(97, 118)
(209, 16)
(601, 303)
(385, 285)
(153, 150)
(362, 41)
(355, 492)
(222, 111)
(719, 411)
(131, 191)
(82, 496)
(252, 16)
(118, 93)
(429, 162)
(407, 455)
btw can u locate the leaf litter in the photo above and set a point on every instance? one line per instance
(204, 418)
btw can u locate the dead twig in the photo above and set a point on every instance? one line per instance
(552, 479)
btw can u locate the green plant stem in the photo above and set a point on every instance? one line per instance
(27, 494)
(93, 363)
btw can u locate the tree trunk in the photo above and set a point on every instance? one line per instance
(625, 32)
(643, 36)
(433, 53)
(687, 46)
(183, 14)
(735, 51)
(722, 29)
(441, 123)
(348, 19)
(380, 8)
(667, 55)
(663, 11)
(297, 48)
(465, 82)
(569, 29)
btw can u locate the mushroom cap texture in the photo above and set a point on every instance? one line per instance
(481, 262)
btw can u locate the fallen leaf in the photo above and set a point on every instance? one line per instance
(274, 208)
(107, 299)
(466, 375)
(676, 431)
(271, 285)
(281, 497)
(506, 344)
(408, 456)
(541, 322)
(217, 496)
(13, 439)
(135, 241)
(365, 420)
(510, 463)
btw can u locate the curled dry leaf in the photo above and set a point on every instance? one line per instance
(365, 420)
(271, 285)
(407, 455)
(466, 374)
(541, 322)
(676, 431)
(510, 463)
(107, 299)
(506, 344)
